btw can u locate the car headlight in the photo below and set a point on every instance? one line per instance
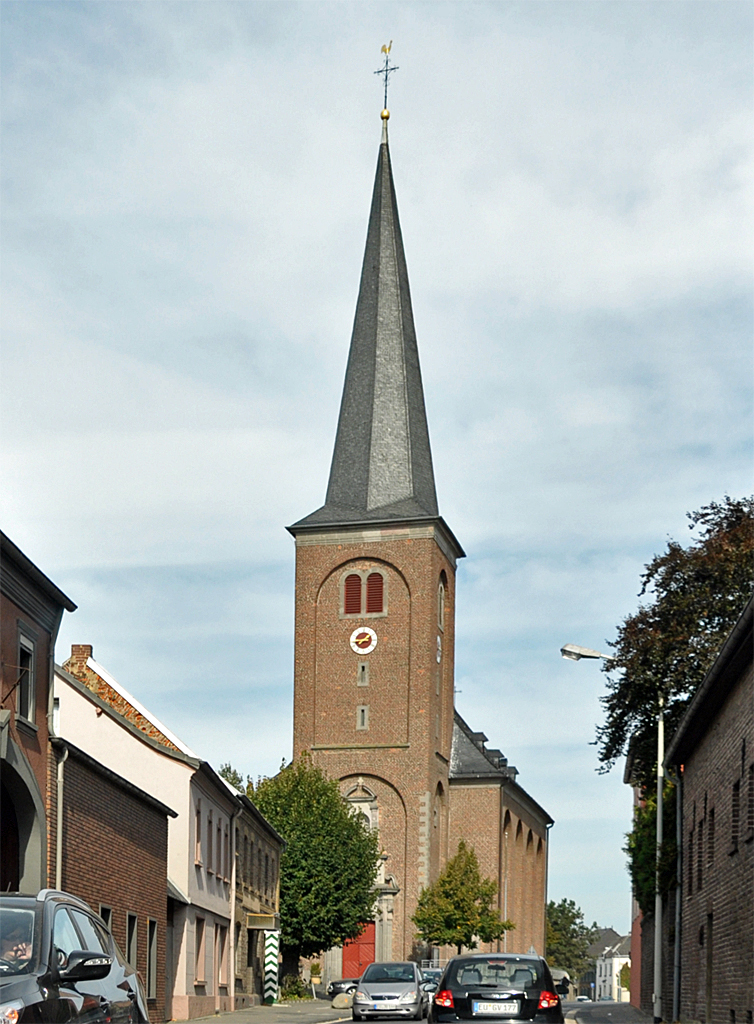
(360, 997)
(10, 1012)
(409, 997)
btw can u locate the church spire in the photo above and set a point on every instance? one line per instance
(382, 464)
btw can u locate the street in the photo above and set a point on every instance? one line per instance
(320, 1012)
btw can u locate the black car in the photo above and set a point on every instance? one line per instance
(496, 986)
(59, 962)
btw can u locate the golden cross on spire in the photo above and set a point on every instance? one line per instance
(387, 70)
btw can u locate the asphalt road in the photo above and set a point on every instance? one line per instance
(320, 1012)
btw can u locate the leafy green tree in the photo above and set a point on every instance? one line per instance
(231, 775)
(569, 938)
(641, 847)
(625, 977)
(694, 595)
(329, 867)
(457, 910)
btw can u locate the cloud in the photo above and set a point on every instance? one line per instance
(185, 196)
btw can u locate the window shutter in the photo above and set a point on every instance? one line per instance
(374, 592)
(352, 595)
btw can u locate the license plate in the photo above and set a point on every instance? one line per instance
(387, 1004)
(496, 1008)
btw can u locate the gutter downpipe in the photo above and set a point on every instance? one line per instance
(232, 936)
(547, 881)
(677, 781)
(59, 836)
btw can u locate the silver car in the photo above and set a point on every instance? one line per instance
(390, 990)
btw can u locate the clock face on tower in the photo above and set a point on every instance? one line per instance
(363, 640)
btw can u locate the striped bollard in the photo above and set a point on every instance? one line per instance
(271, 950)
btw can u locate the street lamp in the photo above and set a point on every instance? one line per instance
(575, 653)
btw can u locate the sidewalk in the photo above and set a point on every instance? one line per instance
(317, 1011)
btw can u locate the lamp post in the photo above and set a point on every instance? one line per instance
(575, 653)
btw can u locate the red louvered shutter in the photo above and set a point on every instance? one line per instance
(352, 595)
(374, 592)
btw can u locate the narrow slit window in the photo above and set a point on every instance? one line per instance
(750, 808)
(441, 602)
(362, 716)
(362, 674)
(711, 837)
(735, 815)
(352, 595)
(131, 940)
(151, 959)
(375, 588)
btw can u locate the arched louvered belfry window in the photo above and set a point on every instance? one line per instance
(352, 594)
(375, 592)
(441, 591)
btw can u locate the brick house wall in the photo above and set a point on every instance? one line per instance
(115, 855)
(714, 748)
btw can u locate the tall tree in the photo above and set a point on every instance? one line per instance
(694, 596)
(329, 867)
(569, 938)
(457, 909)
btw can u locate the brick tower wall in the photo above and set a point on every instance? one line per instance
(403, 755)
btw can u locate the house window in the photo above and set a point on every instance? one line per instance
(246, 860)
(199, 952)
(352, 595)
(362, 716)
(131, 939)
(222, 954)
(375, 588)
(198, 833)
(25, 688)
(219, 850)
(362, 674)
(259, 869)
(151, 959)
(209, 842)
(266, 874)
(106, 913)
(227, 853)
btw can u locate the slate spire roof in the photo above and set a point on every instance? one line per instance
(382, 464)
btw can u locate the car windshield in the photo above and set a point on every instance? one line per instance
(16, 940)
(389, 973)
(512, 972)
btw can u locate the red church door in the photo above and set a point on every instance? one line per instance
(358, 953)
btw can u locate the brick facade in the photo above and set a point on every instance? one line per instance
(714, 749)
(115, 842)
(403, 755)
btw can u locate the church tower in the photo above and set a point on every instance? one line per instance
(375, 594)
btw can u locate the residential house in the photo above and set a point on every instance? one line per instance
(609, 971)
(712, 752)
(31, 609)
(101, 717)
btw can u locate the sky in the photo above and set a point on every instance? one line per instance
(185, 193)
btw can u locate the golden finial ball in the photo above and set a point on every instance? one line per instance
(385, 114)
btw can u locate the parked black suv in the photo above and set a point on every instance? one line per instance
(495, 986)
(59, 962)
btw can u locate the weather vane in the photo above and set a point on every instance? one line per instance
(387, 70)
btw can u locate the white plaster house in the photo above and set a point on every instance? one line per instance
(608, 967)
(93, 711)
